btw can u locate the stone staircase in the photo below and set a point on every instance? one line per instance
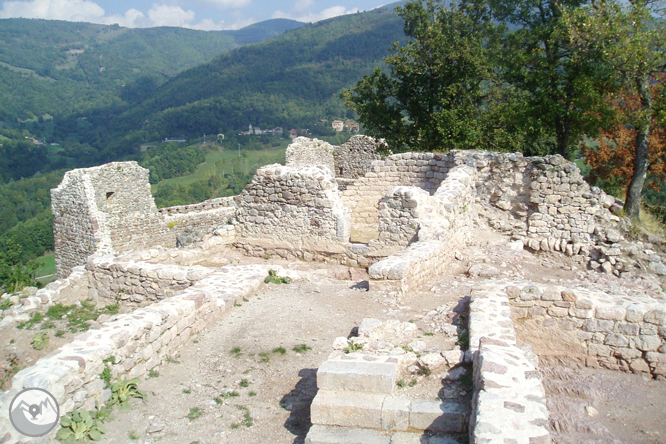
(357, 404)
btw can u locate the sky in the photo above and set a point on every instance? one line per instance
(206, 15)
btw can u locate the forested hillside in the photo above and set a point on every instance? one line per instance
(293, 80)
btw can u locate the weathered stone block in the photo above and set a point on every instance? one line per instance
(395, 413)
(359, 376)
(319, 434)
(348, 409)
(438, 416)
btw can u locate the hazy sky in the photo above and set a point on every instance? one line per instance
(197, 14)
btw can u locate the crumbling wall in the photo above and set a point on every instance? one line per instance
(205, 217)
(102, 208)
(422, 170)
(545, 200)
(354, 158)
(139, 342)
(304, 152)
(293, 209)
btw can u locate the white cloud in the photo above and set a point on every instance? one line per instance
(164, 15)
(333, 11)
(72, 10)
(229, 4)
(89, 11)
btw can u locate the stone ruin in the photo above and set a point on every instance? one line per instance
(402, 218)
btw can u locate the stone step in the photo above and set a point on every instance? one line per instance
(391, 413)
(319, 434)
(358, 375)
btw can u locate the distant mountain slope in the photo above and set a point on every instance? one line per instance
(294, 79)
(259, 32)
(60, 67)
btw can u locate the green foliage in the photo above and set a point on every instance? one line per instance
(302, 348)
(273, 278)
(432, 97)
(79, 426)
(5, 304)
(195, 413)
(123, 390)
(244, 383)
(35, 319)
(106, 373)
(78, 315)
(40, 341)
(279, 350)
(236, 351)
(153, 374)
(353, 347)
(171, 160)
(14, 275)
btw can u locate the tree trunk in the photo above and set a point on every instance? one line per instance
(635, 190)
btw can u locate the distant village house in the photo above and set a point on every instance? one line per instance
(338, 125)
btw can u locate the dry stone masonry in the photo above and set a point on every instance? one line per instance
(402, 217)
(139, 341)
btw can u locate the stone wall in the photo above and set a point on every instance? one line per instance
(204, 217)
(67, 291)
(139, 341)
(304, 152)
(509, 403)
(422, 170)
(102, 208)
(296, 209)
(354, 158)
(614, 331)
(139, 282)
(441, 222)
(545, 202)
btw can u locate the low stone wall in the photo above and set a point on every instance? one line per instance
(442, 221)
(614, 331)
(64, 291)
(139, 341)
(509, 403)
(140, 282)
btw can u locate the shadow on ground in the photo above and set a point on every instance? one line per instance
(298, 402)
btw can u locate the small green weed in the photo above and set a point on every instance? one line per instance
(353, 347)
(251, 394)
(195, 413)
(123, 390)
(236, 304)
(429, 334)
(302, 348)
(172, 360)
(244, 383)
(133, 435)
(40, 341)
(401, 383)
(232, 394)
(80, 425)
(35, 319)
(273, 278)
(424, 370)
(246, 300)
(234, 426)
(265, 357)
(279, 350)
(413, 382)
(187, 391)
(236, 351)
(218, 400)
(5, 304)
(59, 333)
(463, 341)
(153, 374)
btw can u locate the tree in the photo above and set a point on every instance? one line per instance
(632, 42)
(561, 86)
(14, 275)
(612, 162)
(434, 92)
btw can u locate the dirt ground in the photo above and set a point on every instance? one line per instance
(242, 380)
